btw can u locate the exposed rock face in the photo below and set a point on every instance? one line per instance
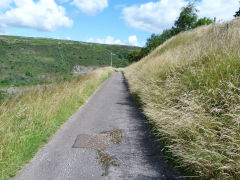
(83, 69)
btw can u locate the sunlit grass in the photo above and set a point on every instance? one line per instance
(28, 120)
(189, 89)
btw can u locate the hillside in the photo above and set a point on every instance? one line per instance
(35, 60)
(189, 89)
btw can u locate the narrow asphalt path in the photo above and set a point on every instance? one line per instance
(106, 139)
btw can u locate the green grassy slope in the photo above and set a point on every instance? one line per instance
(34, 60)
(28, 120)
(189, 89)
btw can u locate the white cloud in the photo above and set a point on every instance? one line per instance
(5, 4)
(221, 9)
(107, 40)
(132, 40)
(91, 7)
(154, 17)
(43, 15)
(68, 38)
(4, 33)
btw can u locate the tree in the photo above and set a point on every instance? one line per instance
(156, 40)
(203, 21)
(187, 18)
(133, 56)
(237, 14)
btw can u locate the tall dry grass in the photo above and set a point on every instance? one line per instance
(189, 89)
(28, 120)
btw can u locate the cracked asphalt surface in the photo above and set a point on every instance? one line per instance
(135, 155)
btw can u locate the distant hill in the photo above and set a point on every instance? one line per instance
(35, 60)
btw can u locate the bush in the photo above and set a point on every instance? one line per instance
(29, 74)
(133, 56)
(2, 95)
(203, 21)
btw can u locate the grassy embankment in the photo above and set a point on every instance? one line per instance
(28, 120)
(189, 89)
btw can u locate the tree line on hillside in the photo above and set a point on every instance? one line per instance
(188, 19)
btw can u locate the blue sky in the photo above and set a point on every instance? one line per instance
(103, 21)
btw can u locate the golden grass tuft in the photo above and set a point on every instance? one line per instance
(28, 120)
(189, 88)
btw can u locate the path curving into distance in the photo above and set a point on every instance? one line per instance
(106, 139)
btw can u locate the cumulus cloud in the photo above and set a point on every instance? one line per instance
(107, 40)
(91, 7)
(154, 17)
(5, 4)
(132, 40)
(221, 9)
(68, 38)
(43, 15)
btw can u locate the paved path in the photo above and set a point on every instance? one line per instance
(105, 139)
